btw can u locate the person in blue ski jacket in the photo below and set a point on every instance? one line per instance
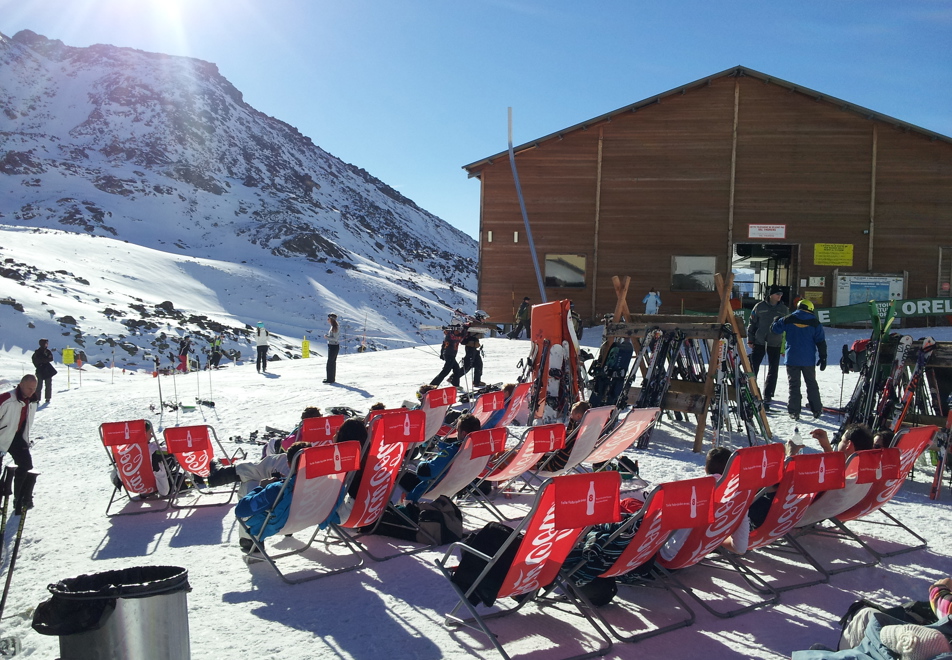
(806, 350)
(254, 507)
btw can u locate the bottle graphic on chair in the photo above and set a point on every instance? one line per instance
(327, 426)
(188, 439)
(127, 430)
(821, 473)
(337, 464)
(406, 425)
(590, 500)
(693, 503)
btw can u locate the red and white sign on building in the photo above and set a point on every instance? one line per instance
(767, 231)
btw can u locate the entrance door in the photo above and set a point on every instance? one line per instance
(758, 266)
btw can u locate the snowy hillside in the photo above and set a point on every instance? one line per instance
(392, 609)
(239, 217)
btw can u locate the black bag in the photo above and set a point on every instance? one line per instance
(599, 591)
(487, 540)
(392, 524)
(440, 521)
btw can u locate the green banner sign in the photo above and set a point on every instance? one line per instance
(861, 313)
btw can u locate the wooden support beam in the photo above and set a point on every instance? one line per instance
(621, 292)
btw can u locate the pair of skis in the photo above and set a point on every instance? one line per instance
(942, 458)
(26, 495)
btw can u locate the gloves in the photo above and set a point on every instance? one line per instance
(822, 363)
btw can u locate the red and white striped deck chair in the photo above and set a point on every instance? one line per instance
(486, 404)
(469, 462)
(320, 476)
(435, 403)
(517, 409)
(635, 423)
(194, 451)
(674, 505)
(804, 477)
(586, 436)
(563, 508)
(316, 431)
(127, 445)
(748, 470)
(911, 444)
(391, 434)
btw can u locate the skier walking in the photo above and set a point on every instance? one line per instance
(652, 301)
(523, 315)
(333, 348)
(261, 342)
(805, 340)
(43, 362)
(17, 408)
(185, 347)
(215, 356)
(471, 357)
(764, 341)
(452, 336)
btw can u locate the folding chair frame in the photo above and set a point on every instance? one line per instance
(207, 491)
(142, 498)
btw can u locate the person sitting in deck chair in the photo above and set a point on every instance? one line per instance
(253, 508)
(430, 469)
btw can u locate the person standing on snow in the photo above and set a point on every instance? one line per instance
(523, 315)
(333, 348)
(765, 341)
(43, 362)
(185, 347)
(16, 419)
(261, 342)
(215, 357)
(471, 357)
(805, 339)
(452, 336)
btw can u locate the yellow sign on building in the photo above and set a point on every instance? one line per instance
(816, 297)
(832, 254)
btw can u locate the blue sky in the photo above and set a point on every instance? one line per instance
(412, 90)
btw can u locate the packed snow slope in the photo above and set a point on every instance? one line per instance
(125, 171)
(395, 609)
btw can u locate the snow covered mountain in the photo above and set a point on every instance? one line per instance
(124, 172)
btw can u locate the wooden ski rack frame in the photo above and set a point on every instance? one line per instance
(685, 396)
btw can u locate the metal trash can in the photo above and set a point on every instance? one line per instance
(137, 613)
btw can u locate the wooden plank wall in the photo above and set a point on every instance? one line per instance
(665, 184)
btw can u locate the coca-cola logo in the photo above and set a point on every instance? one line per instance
(794, 504)
(196, 462)
(540, 548)
(385, 466)
(651, 540)
(130, 460)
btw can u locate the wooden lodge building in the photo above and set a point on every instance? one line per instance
(739, 171)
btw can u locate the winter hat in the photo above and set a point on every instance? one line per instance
(260, 324)
(332, 316)
(526, 299)
(914, 642)
(44, 341)
(774, 288)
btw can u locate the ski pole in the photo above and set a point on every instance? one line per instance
(6, 490)
(158, 379)
(175, 387)
(26, 494)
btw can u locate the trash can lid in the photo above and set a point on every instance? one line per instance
(136, 582)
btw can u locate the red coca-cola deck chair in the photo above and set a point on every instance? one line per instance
(194, 449)
(320, 475)
(748, 470)
(469, 462)
(517, 410)
(564, 507)
(487, 404)
(623, 436)
(584, 439)
(391, 434)
(536, 443)
(674, 505)
(910, 443)
(434, 405)
(127, 445)
(804, 477)
(315, 431)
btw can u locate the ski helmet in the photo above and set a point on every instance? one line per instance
(805, 304)
(479, 315)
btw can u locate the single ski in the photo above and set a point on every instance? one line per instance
(942, 446)
(925, 352)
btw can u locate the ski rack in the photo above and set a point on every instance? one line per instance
(686, 396)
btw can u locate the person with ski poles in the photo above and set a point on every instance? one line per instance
(185, 347)
(806, 350)
(452, 336)
(215, 356)
(43, 362)
(764, 341)
(333, 348)
(17, 408)
(523, 316)
(471, 356)
(261, 343)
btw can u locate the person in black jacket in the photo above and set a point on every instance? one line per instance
(764, 341)
(43, 362)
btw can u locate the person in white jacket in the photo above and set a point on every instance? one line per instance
(261, 341)
(17, 408)
(333, 348)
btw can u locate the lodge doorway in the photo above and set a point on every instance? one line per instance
(758, 266)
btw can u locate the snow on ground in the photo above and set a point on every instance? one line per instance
(393, 609)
